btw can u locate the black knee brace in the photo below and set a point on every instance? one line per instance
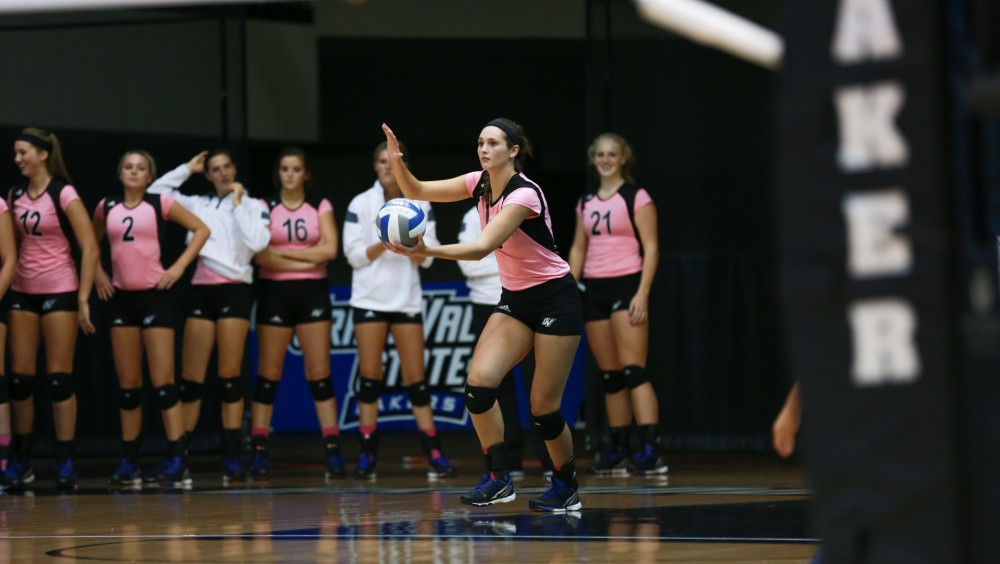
(265, 390)
(4, 390)
(321, 389)
(479, 399)
(635, 376)
(232, 389)
(60, 386)
(22, 386)
(614, 381)
(167, 395)
(129, 398)
(369, 389)
(420, 394)
(550, 425)
(191, 391)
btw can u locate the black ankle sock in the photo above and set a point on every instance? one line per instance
(496, 460)
(23, 445)
(566, 473)
(130, 451)
(620, 437)
(369, 443)
(175, 448)
(231, 443)
(650, 434)
(430, 443)
(64, 450)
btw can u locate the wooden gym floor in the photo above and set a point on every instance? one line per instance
(710, 508)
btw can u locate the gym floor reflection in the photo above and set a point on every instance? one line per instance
(712, 507)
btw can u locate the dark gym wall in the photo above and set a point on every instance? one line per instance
(699, 122)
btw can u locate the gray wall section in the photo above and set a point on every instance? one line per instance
(158, 78)
(282, 82)
(450, 19)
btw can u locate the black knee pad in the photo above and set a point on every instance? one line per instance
(321, 389)
(369, 389)
(231, 389)
(550, 425)
(22, 386)
(614, 381)
(635, 376)
(479, 399)
(191, 391)
(4, 389)
(167, 395)
(265, 390)
(60, 387)
(129, 398)
(420, 394)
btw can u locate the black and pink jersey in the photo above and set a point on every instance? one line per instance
(293, 229)
(134, 237)
(613, 246)
(528, 257)
(45, 258)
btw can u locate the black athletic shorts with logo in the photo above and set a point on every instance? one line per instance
(42, 304)
(604, 296)
(551, 308)
(287, 303)
(219, 301)
(146, 309)
(391, 317)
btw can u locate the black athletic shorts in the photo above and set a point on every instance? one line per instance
(551, 308)
(42, 304)
(391, 317)
(5, 309)
(218, 301)
(604, 296)
(143, 308)
(287, 303)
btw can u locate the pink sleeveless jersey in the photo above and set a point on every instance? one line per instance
(44, 259)
(523, 261)
(612, 249)
(134, 237)
(296, 229)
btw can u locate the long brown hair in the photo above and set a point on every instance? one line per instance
(54, 164)
(527, 149)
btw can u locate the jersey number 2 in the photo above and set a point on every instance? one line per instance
(596, 216)
(127, 236)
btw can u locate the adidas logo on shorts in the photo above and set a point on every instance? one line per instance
(196, 312)
(118, 321)
(616, 305)
(504, 307)
(225, 309)
(48, 305)
(369, 314)
(276, 319)
(317, 312)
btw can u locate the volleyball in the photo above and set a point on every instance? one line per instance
(400, 221)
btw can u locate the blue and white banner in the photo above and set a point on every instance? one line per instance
(448, 348)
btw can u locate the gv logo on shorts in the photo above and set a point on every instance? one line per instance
(148, 319)
(548, 321)
(48, 305)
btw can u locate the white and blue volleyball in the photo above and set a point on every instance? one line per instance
(400, 221)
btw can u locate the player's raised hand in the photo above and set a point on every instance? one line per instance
(391, 144)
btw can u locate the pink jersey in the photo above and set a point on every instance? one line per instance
(612, 246)
(44, 260)
(528, 257)
(134, 237)
(296, 229)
